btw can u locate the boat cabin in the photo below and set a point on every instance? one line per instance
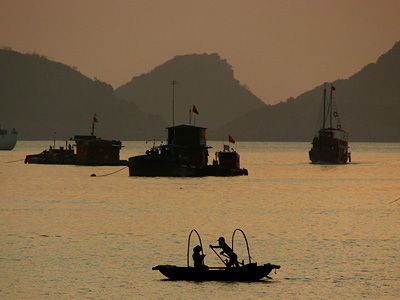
(90, 149)
(228, 159)
(189, 144)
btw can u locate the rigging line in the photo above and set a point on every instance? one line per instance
(7, 162)
(111, 172)
(394, 200)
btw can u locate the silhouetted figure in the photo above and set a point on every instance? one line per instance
(197, 257)
(227, 251)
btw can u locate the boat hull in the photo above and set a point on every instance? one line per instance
(166, 166)
(325, 156)
(249, 272)
(159, 165)
(8, 141)
(45, 158)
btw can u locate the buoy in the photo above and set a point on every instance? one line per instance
(93, 175)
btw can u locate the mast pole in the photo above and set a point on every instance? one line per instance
(330, 106)
(173, 102)
(323, 124)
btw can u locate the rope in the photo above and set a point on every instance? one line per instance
(93, 175)
(394, 200)
(7, 162)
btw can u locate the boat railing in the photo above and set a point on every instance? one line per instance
(245, 238)
(201, 245)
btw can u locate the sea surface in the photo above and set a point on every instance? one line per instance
(334, 229)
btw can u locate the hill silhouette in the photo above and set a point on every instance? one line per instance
(39, 97)
(203, 80)
(368, 105)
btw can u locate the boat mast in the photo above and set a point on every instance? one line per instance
(323, 122)
(173, 102)
(330, 107)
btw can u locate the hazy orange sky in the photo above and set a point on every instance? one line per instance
(278, 48)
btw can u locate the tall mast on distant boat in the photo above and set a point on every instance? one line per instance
(173, 102)
(323, 124)
(330, 107)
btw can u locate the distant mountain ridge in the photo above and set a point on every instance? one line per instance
(40, 97)
(203, 80)
(368, 105)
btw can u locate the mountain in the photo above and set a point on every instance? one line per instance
(368, 104)
(39, 97)
(203, 80)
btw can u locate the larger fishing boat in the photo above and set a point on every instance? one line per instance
(330, 145)
(185, 155)
(8, 139)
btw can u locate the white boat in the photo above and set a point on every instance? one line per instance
(8, 139)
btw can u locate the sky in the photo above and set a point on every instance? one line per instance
(277, 48)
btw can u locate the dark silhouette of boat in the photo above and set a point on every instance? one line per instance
(245, 272)
(185, 155)
(330, 145)
(90, 151)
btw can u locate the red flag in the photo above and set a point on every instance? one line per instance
(333, 88)
(231, 140)
(195, 110)
(95, 119)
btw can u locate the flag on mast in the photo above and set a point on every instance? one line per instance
(95, 119)
(195, 110)
(231, 140)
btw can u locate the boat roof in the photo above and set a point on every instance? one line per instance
(186, 126)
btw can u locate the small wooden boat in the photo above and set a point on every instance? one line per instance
(246, 272)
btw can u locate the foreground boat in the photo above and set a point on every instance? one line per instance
(331, 144)
(8, 139)
(90, 151)
(185, 155)
(246, 272)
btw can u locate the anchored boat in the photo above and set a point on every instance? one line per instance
(185, 155)
(250, 271)
(90, 151)
(330, 145)
(8, 139)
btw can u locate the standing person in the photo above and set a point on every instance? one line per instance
(228, 251)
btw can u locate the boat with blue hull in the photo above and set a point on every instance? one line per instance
(8, 139)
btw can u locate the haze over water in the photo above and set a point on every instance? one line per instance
(334, 229)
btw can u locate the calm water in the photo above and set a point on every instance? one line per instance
(66, 235)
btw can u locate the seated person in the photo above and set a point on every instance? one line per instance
(198, 258)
